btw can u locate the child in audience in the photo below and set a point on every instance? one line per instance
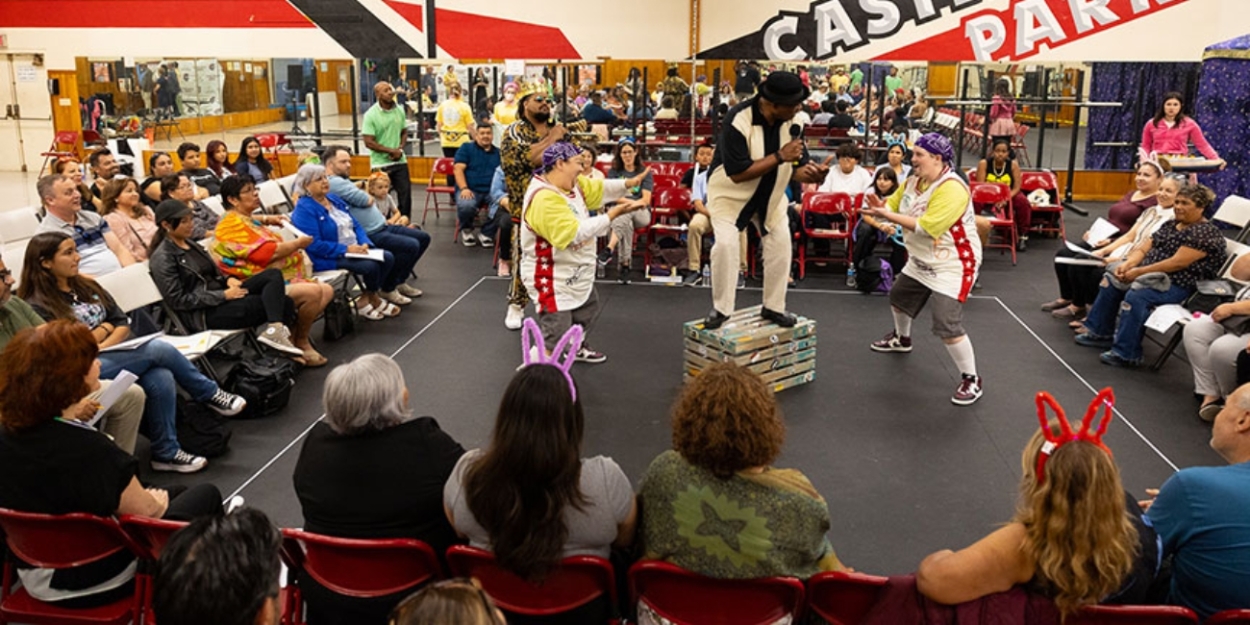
(379, 187)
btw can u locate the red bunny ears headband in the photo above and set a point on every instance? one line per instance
(1104, 401)
(534, 352)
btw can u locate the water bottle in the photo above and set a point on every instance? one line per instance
(850, 275)
(707, 274)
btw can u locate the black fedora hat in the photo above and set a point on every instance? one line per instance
(784, 88)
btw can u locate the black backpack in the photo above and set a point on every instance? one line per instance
(201, 431)
(264, 382)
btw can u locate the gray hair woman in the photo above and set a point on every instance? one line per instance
(372, 470)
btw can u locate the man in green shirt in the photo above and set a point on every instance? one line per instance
(386, 133)
(121, 421)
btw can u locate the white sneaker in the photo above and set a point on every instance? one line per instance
(505, 269)
(467, 239)
(410, 291)
(395, 298)
(516, 314)
(485, 241)
(182, 462)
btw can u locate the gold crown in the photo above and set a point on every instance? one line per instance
(526, 88)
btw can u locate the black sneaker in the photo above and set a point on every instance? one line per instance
(605, 256)
(692, 278)
(181, 462)
(742, 280)
(783, 319)
(226, 404)
(622, 274)
(714, 320)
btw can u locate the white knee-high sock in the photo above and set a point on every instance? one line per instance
(963, 356)
(902, 323)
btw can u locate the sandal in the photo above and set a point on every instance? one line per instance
(1056, 304)
(389, 309)
(369, 312)
(314, 359)
(1077, 324)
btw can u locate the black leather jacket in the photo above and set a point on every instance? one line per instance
(185, 290)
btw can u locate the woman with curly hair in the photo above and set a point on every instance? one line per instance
(1077, 536)
(727, 430)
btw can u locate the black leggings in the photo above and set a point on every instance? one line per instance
(266, 302)
(1077, 283)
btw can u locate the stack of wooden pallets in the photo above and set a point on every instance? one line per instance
(783, 357)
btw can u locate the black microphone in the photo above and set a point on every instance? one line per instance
(795, 132)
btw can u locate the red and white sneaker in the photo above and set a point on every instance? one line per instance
(969, 391)
(892, 342)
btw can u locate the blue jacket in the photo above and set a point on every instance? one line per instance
(311, 218)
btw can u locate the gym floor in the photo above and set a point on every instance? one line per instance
(904, 471)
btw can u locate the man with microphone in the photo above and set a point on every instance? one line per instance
(761, 151)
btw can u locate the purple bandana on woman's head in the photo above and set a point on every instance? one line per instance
(561, 151)
(938, 145)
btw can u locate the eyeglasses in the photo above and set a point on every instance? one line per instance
(5, 274)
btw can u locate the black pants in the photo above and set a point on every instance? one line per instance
(266, 302)
(190, 503)
(402, 184)
(1077, 283)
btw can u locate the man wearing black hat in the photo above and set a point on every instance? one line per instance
(761, 150)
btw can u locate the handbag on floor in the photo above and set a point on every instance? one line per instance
(264, 382)
(338, 320)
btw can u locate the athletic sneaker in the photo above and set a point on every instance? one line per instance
(409, 291)
(182, 462)
(969, 391)
(585, 354)
(516, 315)
(605, 256)
(505, 269)
(226, 404)
(484, 240)
(278, 337)
(692, 278)
(892, 342)
(467, 239)
(742, 280)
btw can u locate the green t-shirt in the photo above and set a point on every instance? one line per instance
(16, 315)
(385, 127)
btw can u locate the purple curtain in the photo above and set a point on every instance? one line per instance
(1140, 87)
(1223, 113)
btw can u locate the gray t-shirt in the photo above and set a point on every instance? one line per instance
(609, 500)
(88, 232)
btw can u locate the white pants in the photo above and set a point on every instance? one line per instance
(701, 225)
(1212, 352)
(777, 250)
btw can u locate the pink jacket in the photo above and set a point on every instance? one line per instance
(1163, 139)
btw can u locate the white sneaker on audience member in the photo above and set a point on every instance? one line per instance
(182, 462)
(485, 241)
(516, 314)
(467, 239)
(395, 298)
(505, 269)
(410, 291)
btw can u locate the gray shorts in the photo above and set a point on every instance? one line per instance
(554, 325)
(910, 296)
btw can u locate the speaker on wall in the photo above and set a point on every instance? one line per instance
(412, 72)
(295, 77)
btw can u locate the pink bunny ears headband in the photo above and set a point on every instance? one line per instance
(534, 352)
(1104, 400)
(1150, 158)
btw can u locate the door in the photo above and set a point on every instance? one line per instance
(26, 125)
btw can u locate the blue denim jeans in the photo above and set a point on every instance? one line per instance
(1133, 307)
(376, 275)
(161, 370)
(407, 245)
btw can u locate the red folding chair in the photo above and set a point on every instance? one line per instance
(687, 598)
(843, 598)
(57, 542)
(435, 190)
(150, 535)
(840, 209)
(1018, 146)
(271, 142)
(1229, 617)
(360, 568)
(603, 166)
(576, 582)
(1048, 217)
(664, 181)
(68, 138)
(667, 205)
(1133, 615)
(987, 196)
(679, 168)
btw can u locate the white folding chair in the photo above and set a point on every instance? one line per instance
(1172, 338)
(15, 259)
(1235, 210)
(213, 202)
(288, 184)
(273, 198)
(18, 224)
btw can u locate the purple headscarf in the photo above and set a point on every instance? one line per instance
(561, 151)
(938, 145)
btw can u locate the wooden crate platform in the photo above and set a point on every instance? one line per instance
(783, 357)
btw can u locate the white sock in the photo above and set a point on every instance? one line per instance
(902, 323)
(963, 356)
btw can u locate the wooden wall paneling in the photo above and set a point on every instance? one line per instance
(66, 116)
(943, 79)
(328, 82)
(212, 124)
(87, 87)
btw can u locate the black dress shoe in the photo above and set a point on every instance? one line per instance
(714, 320)
(783, 319)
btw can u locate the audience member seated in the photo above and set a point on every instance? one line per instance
(220, 570)
(703, 154)
(667, 110)
(128, 218)
(205, 182)
(1077, 536)
(1124, 213)
(459, 601)
(104, 167)
(245, 248)
(336, 233)
(101, 251)
(69, 166)
(532, 509)
(121, 420)
(896, 157)
(252, 162)
(627, 164)
(53, 287)
(502, 215)
(701, 223)
(1078, 284)
(476, 162)
(870, 231)
(51, 465)
(190, 283)
(346, 476)
(179, 187)
(1160, 271)
(1200, 513)
(727, 431)
(378, 186)
(848, 177)
(219, 164)
(159, 165)
(596, 113)
(406, 242)
(1001, 167)
(1212, 343)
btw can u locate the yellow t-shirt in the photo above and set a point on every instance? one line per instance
(454, 119)
(505, 114)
